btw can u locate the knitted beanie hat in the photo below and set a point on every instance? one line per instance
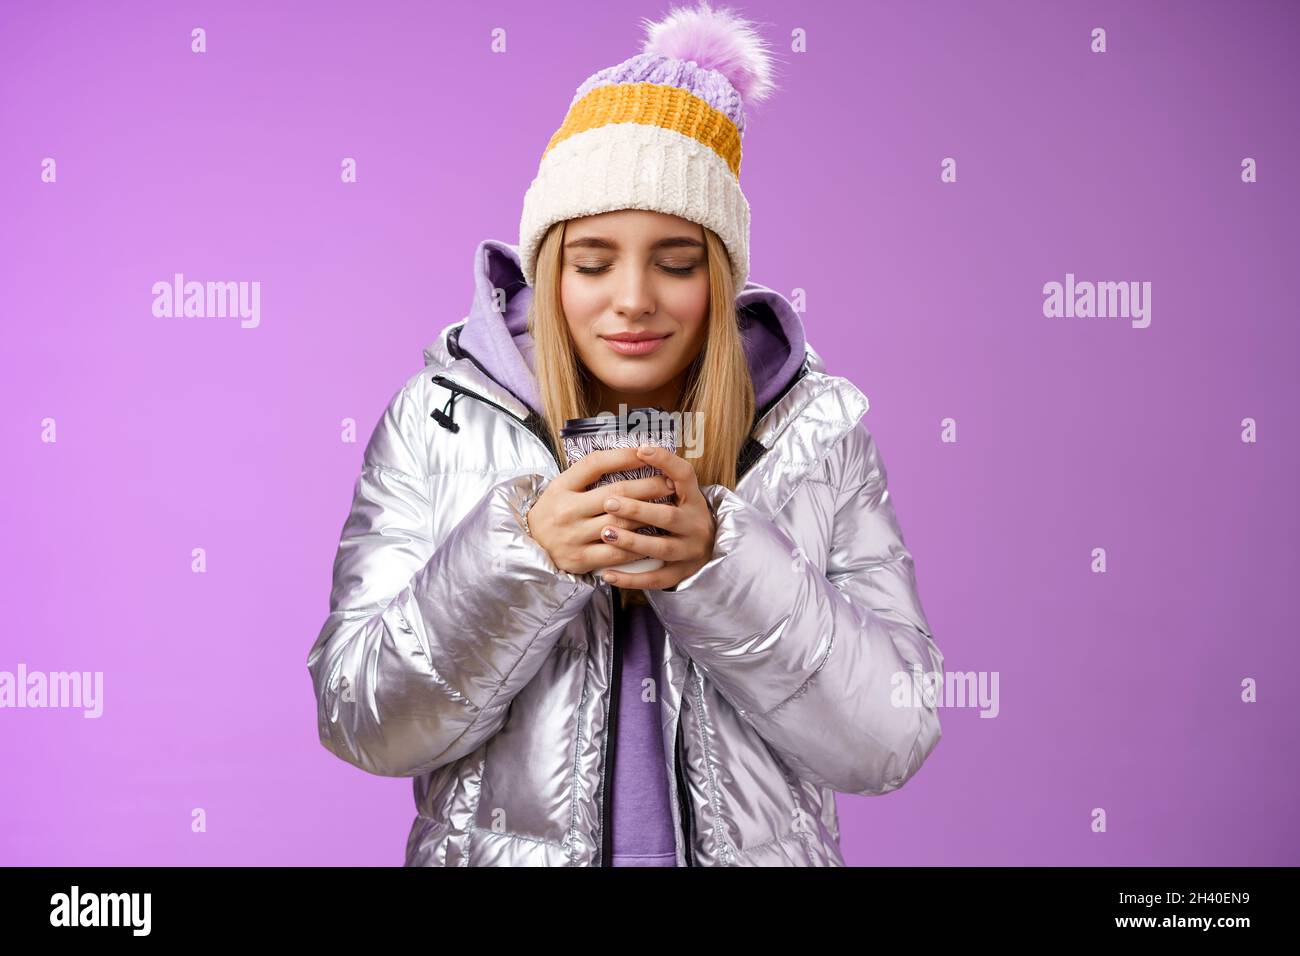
(659, 131)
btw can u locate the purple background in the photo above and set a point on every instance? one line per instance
(1118, 690)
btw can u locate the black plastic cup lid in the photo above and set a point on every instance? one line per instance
(653, 421)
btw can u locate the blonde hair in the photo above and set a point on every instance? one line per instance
(718, 385)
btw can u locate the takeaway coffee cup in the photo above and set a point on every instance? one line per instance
(641, 426)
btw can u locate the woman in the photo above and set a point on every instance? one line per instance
(701, 714)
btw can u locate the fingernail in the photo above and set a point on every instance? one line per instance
(611, 504)
(645, 449)
(609, 534)
(607, 578)
(671, 486)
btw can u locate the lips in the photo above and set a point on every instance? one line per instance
(639, 343)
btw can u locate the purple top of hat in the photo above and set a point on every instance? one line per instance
(709, 85)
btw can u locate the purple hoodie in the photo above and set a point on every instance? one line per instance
(642, 829)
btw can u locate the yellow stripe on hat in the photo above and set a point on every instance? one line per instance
(654, 104)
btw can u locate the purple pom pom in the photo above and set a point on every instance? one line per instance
(715, 40)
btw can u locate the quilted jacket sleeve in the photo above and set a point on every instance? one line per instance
(827, 667)
(427, 641)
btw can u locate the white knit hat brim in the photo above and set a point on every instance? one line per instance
(635, 166)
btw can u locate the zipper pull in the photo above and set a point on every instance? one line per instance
(443, 418)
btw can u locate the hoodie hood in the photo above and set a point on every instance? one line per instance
(498, 337)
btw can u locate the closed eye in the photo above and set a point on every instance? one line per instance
(671, 270)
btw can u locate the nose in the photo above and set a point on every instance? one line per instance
(635, 295)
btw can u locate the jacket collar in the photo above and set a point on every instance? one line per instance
(449, 362)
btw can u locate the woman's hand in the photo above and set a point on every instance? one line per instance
(686, 548)
(566, 520)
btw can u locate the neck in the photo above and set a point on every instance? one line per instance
(665, 397)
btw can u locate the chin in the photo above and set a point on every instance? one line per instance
(640, 381)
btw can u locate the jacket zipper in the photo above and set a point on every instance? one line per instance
(453, 386)
(753, 449)
(611, 723)
(683, 798)
(611, 736)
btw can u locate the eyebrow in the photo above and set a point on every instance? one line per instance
(599, 242)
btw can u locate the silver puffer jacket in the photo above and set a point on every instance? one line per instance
(455, 652)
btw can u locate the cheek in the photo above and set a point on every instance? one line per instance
(581, 309)
(690, 307)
